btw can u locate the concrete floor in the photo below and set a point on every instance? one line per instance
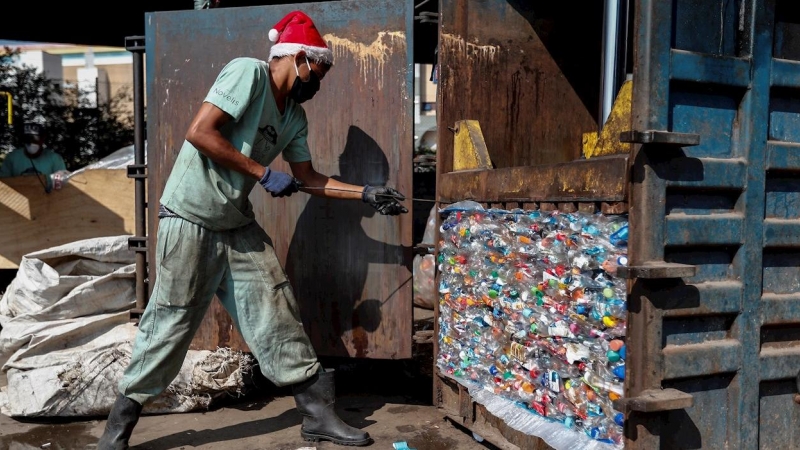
(262, 424)
(392, 400)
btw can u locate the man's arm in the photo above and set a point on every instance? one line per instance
(385, 200)
(204, 134)
(305, 172)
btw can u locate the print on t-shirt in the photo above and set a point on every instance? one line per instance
(265, 142)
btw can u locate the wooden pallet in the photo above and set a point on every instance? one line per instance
(92, 204)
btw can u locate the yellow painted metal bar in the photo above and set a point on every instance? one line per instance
(607, 141)
(470, 150)
(10, 107)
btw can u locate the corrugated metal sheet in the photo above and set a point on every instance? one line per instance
(350, 267)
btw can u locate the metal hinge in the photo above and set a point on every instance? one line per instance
(137, 243)
(660, 137)
(137, 171)
(424, 249)
(657, 270)
(655, 400)
(134, 43)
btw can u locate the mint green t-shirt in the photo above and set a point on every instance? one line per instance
(213, 196)
(18, 163)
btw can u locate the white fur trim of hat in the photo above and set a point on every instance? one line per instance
(316, 54)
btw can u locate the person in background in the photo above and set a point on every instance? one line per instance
(33, 158)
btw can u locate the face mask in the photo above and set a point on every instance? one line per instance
(32, 148)
(303, 91)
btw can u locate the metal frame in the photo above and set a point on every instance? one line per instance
(138, 171)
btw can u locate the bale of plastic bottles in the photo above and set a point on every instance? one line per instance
(532, 309)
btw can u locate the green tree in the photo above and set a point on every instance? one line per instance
(81, 133)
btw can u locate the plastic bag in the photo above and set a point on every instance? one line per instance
(424, 266)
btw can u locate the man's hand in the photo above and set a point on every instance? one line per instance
(279, 184)
(384, 199)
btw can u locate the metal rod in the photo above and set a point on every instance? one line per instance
(139, 158)
(610, 59)
(320, 188)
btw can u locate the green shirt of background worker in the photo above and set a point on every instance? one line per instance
(208, 242)
(33, 158)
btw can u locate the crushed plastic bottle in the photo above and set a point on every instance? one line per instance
(59, 179)
(531, 309)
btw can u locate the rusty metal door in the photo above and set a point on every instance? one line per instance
(523, 72)
(715, 226)
(349, 266)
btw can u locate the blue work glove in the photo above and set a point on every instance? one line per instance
(279, 184)
(384, 199)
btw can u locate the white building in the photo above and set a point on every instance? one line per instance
(99, 72)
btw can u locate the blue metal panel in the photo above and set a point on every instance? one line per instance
(730, 71)
(783, 156)
(785, 73)
(775, 415)
(707, 27)
(709, 112)
(784, 116)
(730, 206)
(683, 430)
(714, 263)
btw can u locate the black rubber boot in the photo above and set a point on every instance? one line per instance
(315, 400)
(123, 417)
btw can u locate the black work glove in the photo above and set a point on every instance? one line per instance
(384, 199)
(279, 184)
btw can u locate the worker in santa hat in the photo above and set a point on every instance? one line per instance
(208, 242)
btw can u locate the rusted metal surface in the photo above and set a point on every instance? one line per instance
(660, 137)
(548, 206)
(597, 179)
(349, 266)
(218, 330)
(655, 400)
(614, 207)
(503, 63)
(568, 207)
(653, 270)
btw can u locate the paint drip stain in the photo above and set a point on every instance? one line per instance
(483, 52)
(371, 58)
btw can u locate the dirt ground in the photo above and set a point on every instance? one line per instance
(392, 400)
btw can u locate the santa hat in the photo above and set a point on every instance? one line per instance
(297, 32)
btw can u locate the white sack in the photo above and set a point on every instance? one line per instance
(66, 337)
(86, 277)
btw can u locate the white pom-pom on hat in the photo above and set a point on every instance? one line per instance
(273, 35)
